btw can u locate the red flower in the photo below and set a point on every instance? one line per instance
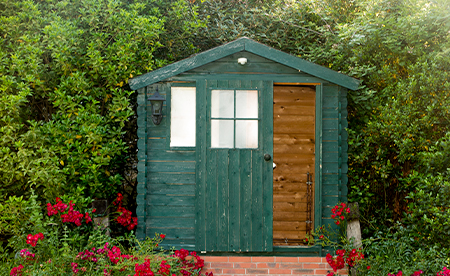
(162, 236)
(32, 239)
(118, 200)
(16, 271)
(87, 218)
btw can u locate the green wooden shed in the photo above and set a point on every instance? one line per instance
(250, 154)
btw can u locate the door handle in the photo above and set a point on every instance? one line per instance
(267, 157)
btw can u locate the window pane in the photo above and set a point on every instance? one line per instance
(246, 104)
(222, 133)
(182, 117)
(222, 103)
(247, 134)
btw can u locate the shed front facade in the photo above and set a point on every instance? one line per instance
(250, 154)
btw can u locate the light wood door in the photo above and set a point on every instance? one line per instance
(294, 156)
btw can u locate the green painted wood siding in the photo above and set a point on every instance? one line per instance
(172, 182)
(166, 195)
(334, 153)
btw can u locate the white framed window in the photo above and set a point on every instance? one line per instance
(234, 118)
(182, 116)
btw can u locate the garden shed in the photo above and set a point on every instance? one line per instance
(248, 152)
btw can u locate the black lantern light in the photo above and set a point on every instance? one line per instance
(157, 103)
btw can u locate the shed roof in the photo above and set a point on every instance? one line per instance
(239, 45)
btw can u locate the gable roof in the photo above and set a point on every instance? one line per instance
(238, 45)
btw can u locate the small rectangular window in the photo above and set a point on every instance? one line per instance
(234, 119)
(182, 117)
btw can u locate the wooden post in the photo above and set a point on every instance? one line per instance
(354, 229)
(101, 207)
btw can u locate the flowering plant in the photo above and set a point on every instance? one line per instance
(351, 258)
(339, 211)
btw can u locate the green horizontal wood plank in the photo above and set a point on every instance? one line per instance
(172, 233)
(140, 228)
(330, 146)
(330, 201)
(330, 179)
(330, 102)
(344, 147)
(344, 167)
(169, 166)
(170, 222)
(156, 132)
(171, 178)
(222, 83)
(330, 90)
(141, 143)
(141, 112)
(332, 224)
(330, 189)
(141, 179)
(251, 58)
(171, 211)
(250, 67)
(344, 136)
(170, 200)
(141, 132)
(344, 179)
(177, 246)
(141, 122)
(172, 189)
(330, 167)
(330, 134)
(141, 188)
(140, 210)
(330, 156)
(272, 77)
(330, 124)
(156, 143)
(141, 167)
(344, 191)
(330, 113)
(300, 64)
(158, 155)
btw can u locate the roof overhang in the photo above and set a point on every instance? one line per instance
(239, 45)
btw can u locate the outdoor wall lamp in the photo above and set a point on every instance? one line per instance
(157, 103)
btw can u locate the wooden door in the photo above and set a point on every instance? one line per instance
(235, 190)
(294, 156)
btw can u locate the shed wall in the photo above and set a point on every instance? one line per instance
(166, 178)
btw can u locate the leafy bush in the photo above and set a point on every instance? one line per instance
(65, 241)
(397, 251)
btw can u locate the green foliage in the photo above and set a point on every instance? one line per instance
(429, 212)
(64, 68)
(397, 251)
